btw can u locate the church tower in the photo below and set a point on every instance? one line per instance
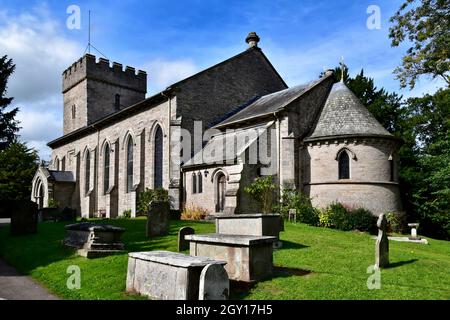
(94, 89)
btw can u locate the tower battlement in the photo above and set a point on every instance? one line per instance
(87, 67)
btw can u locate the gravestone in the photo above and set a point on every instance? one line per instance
(214, 283)
(158, 219)
(292, 215)
(182, 243)
(382, 243)
(23, 217)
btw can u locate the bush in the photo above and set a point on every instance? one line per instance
(396, 222)
(52, 203)
(126, 214)
(146, 197)
(363, 220)
(338, 216)
(293, 199)
(325, 218)
(193, 212)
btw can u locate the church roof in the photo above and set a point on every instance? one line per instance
(61, 176)
(344, 114)
(270, 103)
(227, 146)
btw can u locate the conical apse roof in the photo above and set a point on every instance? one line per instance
(344, 114)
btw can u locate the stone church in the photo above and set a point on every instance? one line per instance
(318, 138)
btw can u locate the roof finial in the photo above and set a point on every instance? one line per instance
(252, 39)
(342, 68)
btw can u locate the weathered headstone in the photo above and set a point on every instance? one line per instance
(214, 283)
(382, 243)
(158, 219)
(23, 217)
(182, 243)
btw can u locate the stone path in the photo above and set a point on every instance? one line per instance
(14, 286)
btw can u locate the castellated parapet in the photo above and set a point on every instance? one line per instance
(94, 89)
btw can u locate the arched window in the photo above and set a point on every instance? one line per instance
(74, 111)
(199, 182)
(344, 165)
(87, 176)
(392, 168)
(56, 165)
(130, 164)
(106, 169)
(158, 158)
(194, 182)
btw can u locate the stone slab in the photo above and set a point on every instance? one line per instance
(164, 275)
(231, 239)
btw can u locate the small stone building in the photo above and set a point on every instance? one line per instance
(207, 137)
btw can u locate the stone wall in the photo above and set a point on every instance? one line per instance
(91, 87)
(140, 127)
(369, 185)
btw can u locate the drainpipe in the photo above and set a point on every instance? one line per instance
(278, 152)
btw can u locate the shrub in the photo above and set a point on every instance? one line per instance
(146, 197)
(339, 217)
(126, 214)
(193, 212)
(293, 199)
(263, 190)
(396, 221)
(363, 220)
(325, 218)
(52, 203)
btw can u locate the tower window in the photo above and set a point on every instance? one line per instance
(344, 166)
(74, 111)
(392, 169)
(117, 102)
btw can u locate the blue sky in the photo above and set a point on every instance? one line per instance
(174, 39)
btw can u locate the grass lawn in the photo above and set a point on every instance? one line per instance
(314, 263)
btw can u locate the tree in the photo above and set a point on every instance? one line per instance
(18, 165)
(427, 27)
(263, 190)
(8, 125)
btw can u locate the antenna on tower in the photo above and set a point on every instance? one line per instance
(89, 45)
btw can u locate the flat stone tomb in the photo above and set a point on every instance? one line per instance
(249, 258)
(257, 224)
(165, 275)
(94, 240)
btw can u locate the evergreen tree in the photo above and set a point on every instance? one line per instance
(8, 125)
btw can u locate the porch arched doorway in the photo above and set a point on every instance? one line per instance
(221, 185)
(40, 195)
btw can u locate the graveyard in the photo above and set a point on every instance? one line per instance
(312, 263)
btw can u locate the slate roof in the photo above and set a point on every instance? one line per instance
(344, 114)
(61, 176)
(231, 143)
(270, 103)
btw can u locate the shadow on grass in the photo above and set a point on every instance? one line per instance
(240, 289)
(401, 263)
(292, 245)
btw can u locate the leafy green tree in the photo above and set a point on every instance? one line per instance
(8, 125)
(427, 27)
(18, 165)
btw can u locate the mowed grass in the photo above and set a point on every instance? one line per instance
(314, 263)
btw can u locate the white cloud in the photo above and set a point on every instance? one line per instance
(162, 73)
(36, 43)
